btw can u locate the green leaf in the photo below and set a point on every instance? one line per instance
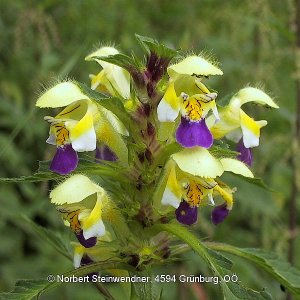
(218, 151)
(256, 181)
(141, 290)
(124, 61)
(219, 265)
(27, 289)
(110, 170)
(150, 45)
(40, 176)
(283, 271)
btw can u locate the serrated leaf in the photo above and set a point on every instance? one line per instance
(25, 290)
(40, 176)
(219, 265)
(218, 151)
(124, 61)
(28, 289)
(283, 271)
(110, 170)
(256, 181)
(142, 290)
(151, 45)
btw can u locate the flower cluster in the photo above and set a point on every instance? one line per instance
(150, 129)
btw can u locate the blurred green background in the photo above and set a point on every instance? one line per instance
(41, 41)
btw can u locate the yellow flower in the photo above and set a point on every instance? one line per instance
(196, 171)
(81, 201)
(112, 79)
(235, 123)
(78, 127)
(187, 95)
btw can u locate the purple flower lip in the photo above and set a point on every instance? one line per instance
(190, 134)
(245, 155)
(105, 153)
(219, 214)
(87, 243)
(185, 214)
(65, 160)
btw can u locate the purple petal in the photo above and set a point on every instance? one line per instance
(87, 243)
(104, 153)
(219, 213)
(190, 134)
(65, 160)
(86, 260)
(186, 214)
(245, 153)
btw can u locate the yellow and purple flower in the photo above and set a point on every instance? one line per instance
(78, 127)
(80, 202)
(112, 79)
(187, 95)
(237, 126)
(191, 180)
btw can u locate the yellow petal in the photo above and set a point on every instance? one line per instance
(78, 253)
(229, 121)
(172, 194)
(75, 189)
(251, 130)
(236, 166)
(199, 162)
(103, 51)
(227, 196)
(92, 224)
(107, 133)
(194, 65)
(168, 108)
(61, 95)
(250, 94)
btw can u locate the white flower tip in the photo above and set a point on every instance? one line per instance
(96, 230)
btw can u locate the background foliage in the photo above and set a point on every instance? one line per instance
(47, 39)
